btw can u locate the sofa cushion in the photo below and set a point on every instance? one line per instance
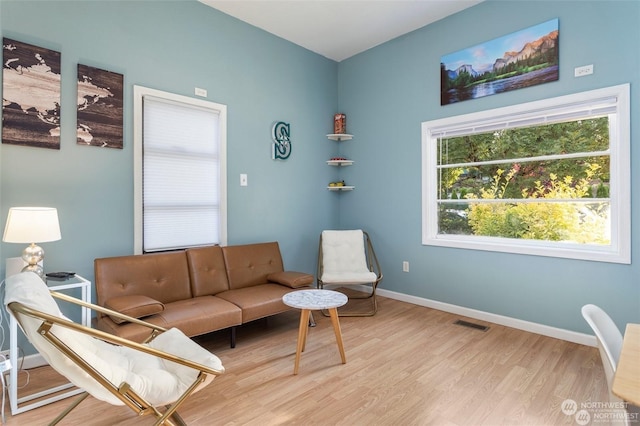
(201, 315)
(196, 316)
(207, 271)
(248, 265)
(258, 301)
(291, 279)
(161, 276)
(136, 306)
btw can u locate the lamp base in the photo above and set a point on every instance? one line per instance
(37, 269)
(15, 265)
(33, 255)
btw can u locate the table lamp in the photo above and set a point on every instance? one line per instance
(32, 225)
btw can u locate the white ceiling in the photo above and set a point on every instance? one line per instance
(339, 29)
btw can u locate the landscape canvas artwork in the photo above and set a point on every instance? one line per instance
(100, 114)
(522, 59)
(30, 95)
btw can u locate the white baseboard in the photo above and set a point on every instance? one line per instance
(32, 361)
(545, 330)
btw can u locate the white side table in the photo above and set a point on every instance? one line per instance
(75, 282)
(308, 300)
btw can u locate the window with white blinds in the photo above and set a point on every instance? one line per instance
(549, 178)
(180, 171)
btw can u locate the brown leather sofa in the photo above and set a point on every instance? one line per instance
(197, 290)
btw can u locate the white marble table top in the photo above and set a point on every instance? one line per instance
(315, 299)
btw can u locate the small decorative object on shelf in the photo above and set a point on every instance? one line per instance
(339, 161)
(339, 186)
(340, 123)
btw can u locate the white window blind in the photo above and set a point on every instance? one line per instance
(181, 175)
(561, 113)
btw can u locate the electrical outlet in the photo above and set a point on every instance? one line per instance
(582, 71)
(405, 266)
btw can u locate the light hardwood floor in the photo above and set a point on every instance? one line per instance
(408, 365)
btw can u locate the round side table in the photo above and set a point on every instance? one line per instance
(315, 299)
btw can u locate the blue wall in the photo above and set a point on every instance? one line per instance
(386, 93)
(176, 46)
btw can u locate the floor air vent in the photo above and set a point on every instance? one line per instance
(471, 325)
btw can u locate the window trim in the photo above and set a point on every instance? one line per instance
(620, 249)
(139, 92)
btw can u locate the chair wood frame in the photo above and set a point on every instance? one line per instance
(372, 264)
(122, 391)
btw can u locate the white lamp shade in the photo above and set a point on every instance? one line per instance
(32, 225)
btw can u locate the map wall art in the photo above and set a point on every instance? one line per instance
(522, 59)
(100, 114)
(30, 95)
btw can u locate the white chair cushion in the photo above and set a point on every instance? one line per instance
(158, 381)
(343, 258)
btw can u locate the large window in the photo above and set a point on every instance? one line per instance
(546, 178)
(179, 167)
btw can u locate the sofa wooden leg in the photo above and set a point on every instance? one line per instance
(233, 336)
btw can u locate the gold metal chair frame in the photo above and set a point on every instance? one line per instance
(123, 391)
(373, 266)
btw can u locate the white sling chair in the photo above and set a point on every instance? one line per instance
(347, 258)
(150, 378)
(609, 341)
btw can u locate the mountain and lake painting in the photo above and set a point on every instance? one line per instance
(522, 59)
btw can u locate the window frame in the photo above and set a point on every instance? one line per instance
(619, 251)
(139, 92)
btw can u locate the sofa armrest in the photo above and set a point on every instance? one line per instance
(291, 278)
(136, 306)
(154, 329)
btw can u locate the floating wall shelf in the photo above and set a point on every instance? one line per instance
(340, 136)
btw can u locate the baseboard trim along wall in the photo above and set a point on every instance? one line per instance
(32, 361)
(545, 330)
